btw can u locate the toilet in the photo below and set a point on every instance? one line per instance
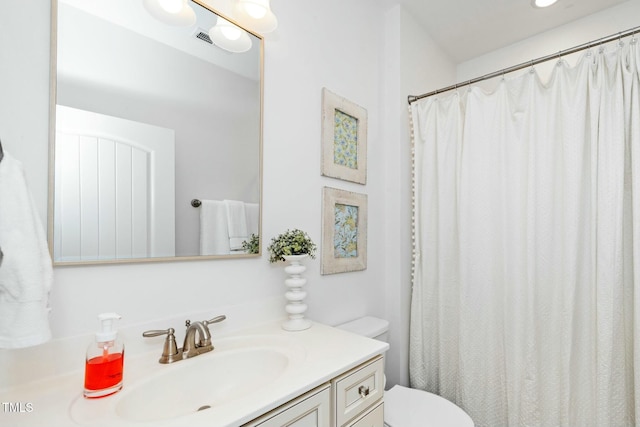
(407, 407)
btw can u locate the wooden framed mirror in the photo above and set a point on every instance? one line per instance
(146, 117)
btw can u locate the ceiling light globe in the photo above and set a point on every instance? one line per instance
(257, 9)
(163, 11)
(171, 6)
(229, 30)
(542, 3)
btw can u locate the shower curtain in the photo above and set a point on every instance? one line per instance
(526, 292)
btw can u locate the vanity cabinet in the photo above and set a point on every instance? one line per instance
(259, 376)
(352, 399)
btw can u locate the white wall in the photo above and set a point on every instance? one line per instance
(338, 46)
(334, 44)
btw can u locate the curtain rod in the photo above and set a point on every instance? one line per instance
(607, 39)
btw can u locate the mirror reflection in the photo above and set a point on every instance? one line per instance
(151, 114)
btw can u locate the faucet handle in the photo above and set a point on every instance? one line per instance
(205, 341)
(170, 351)
(157, 332)
(216, 319)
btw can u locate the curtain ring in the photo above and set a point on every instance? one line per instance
(633, 38)
(532, 70)
(620, 42)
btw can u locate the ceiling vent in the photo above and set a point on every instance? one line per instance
(203, 35)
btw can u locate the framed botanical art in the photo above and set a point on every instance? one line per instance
(344, 138)
(344, 231)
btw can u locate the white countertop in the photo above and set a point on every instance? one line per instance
(318, 355)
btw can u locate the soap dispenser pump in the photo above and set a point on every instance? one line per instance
(105, 360)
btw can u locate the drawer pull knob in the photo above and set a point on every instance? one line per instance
(364, 391)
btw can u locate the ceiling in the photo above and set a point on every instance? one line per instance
(465, 29)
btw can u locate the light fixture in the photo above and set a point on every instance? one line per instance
(171, 12)
(256, 14)
(171, 6)
(542, 3)
(255, 8)
(229, 36)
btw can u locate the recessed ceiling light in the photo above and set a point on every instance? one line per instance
(542, 3)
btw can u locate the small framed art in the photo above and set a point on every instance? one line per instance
(344, 231)
(344, 138)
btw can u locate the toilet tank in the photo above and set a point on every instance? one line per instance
(368, 326)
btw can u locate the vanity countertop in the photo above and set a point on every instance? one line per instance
(318, 354)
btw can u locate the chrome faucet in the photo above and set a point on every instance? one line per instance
(171, 353)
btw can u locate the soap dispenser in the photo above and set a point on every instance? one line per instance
(105, 360)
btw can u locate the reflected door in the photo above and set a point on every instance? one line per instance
(114, 188)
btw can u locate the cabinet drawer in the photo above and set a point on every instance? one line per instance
(309, 410)
(373, 418)
(358, 390)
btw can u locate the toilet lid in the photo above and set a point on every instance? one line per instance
(406, 407)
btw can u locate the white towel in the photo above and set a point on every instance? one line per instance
(26, 272)
(237, 221)
(214, 232)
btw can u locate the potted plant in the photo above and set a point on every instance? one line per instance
(252, 245)
(291, 242)
(293, 246)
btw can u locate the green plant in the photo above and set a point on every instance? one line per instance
(291, 242)
(252, 246)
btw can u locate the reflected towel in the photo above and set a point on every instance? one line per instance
(214, 233)
(26, 272)
(237, 222)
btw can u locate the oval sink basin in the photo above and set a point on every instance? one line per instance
(201, 383)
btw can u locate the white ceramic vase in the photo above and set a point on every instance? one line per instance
(295, 307)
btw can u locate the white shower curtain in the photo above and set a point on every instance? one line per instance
(526, 293)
